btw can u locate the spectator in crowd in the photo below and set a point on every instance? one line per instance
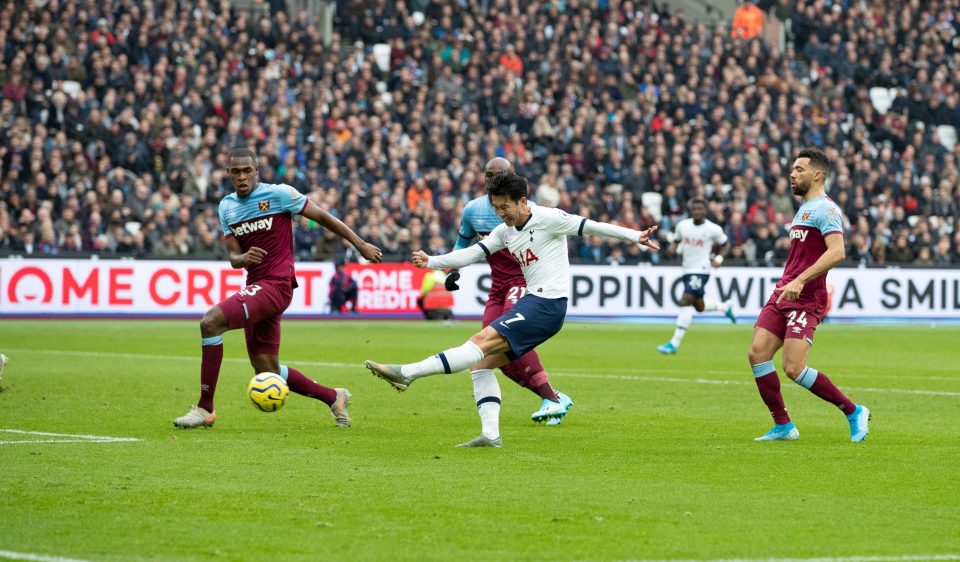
(343, 291)
(747, 21)
(118, 127)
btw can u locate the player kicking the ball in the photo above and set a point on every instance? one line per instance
(798, 302)
(695, 238)
(257, 227)
(508, 285)
(536, 238)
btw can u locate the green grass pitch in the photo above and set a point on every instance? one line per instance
(655, 461)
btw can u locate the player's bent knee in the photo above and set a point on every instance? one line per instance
(792, 369)
(490, 342)
(213, 323)
(757, 355)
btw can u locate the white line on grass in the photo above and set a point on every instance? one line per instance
(69, 437)
(906, 558)
(736, 374)
(10, 555)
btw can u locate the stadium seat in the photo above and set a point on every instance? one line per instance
(948, 136)
(653, 202)
(882, 98)
(381, 53)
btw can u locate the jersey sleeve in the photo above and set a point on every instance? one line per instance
(677, 235)
(224, 227)
(830, 221)
(719, 236)
(560, 222)
(291, 200)
(466, 234)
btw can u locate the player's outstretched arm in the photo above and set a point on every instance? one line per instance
(454, 260)
(325, 219)
(833, 255)
(641, 237)
(239, 258)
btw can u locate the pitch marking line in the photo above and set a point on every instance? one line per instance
(10, 555)
(641, 372)
(907, 558)
(62, 438)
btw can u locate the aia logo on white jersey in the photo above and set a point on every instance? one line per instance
(799, 234)
(525, 258)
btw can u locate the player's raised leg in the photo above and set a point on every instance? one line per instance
(726, 307)
(531, 322)
(764, 345)
(453, 360)
(795, 353)
(213, 324)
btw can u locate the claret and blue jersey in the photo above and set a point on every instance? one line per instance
(264, 219)
(816, 219)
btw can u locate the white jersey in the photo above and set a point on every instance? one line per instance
(539, 246)
(695, 244)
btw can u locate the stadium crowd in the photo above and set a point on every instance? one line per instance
(116, 116)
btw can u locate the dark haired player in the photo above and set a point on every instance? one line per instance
(508, 285)
(536, 237)
(695, 238)
(258, 230)
(798, 302)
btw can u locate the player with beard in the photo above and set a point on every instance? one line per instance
(798, 303)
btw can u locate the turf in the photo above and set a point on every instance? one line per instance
(656, 460)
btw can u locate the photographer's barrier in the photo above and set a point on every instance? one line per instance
(54, 287)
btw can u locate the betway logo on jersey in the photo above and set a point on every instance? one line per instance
(799, 234)
(253, 226)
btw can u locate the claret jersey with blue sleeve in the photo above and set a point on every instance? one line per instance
(264, 219)
(815, 220)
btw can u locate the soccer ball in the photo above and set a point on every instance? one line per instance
(267, 391)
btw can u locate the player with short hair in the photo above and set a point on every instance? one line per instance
(798, 303)
(695, 238)
(537, 238)
(508, 285)
(258, 231)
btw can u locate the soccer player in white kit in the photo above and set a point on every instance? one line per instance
(536, 237)
(695, 238)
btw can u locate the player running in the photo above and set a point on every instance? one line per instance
(258, 231)
(695, 238)
(798, 303)
(479, 219)
(536, 237)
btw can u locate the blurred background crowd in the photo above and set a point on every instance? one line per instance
(116, 116)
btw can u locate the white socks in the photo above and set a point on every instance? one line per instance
(710, 305)
(683, 322)
(453, 360)
(486, 392)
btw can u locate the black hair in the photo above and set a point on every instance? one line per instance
(243, 152)
(697, 201)
(818, 159)
(510, 184)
